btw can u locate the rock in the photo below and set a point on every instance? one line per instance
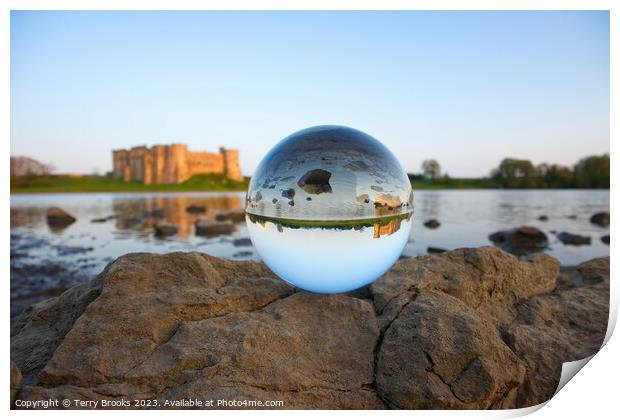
(469, 328)
(99, 220)
(242, 242)
(572, 239)
(208, 228)
(16, 380)
(435, 250)
(543, 218)
(605, 239)
(233, 215)
(57, 218)
(39, 330)
(601, 219)
(432, 224)
(570, 323)
(521, 241)
(440, 354)
(196, 209)
(315, 181)
(486, 279)
(289, 193)
(209, 328)
(165, 229)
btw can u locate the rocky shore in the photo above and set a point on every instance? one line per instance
(473, 328)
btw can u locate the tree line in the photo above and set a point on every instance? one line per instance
(589, 172)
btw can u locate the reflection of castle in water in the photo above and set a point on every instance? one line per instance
(386, 230)
(142, 213)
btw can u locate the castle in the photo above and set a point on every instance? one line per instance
(172, 164)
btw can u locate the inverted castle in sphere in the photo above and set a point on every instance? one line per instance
(172, 164)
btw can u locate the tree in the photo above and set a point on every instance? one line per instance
(515, 173)
(592, 172)
(431, 169)
(555, 176)
(22, 166)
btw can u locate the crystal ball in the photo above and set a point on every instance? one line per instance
(329, 209)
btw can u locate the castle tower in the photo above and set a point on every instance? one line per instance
(231, 164)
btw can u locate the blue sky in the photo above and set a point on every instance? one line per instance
(465, 88)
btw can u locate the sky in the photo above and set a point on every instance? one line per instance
(466, 88)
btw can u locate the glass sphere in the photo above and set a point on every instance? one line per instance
(329, 209)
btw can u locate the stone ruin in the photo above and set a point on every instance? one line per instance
(172, 164)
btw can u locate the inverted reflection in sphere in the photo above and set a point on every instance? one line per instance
(329, 209)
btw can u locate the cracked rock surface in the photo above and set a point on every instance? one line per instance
(470, 328)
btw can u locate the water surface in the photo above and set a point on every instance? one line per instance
(44, 262)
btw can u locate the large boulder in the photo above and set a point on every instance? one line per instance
(470, 328)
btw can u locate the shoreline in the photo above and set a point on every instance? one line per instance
(37, 191)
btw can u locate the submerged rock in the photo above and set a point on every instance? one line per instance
(435, 250)
(470, 328)
(208, 228)
(572, 239)
(543, 218)
(520, 241)
(605, 239)
(165, 229)
(242, 242)
(432, 224)
(233, 215)
(315, 181)
(601, 219)
(196, 209)
(57, 218)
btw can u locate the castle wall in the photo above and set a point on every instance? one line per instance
(171, 164)
(205, 163)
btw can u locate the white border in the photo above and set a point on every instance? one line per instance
(593, 394)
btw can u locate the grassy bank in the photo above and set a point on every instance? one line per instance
(452, 184)
(211, 182)
(75, 184)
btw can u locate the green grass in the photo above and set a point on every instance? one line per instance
(330, 224)
(210, 182)
(76, 184)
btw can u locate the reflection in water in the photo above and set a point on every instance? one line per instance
(142, 213)
(44, 263)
